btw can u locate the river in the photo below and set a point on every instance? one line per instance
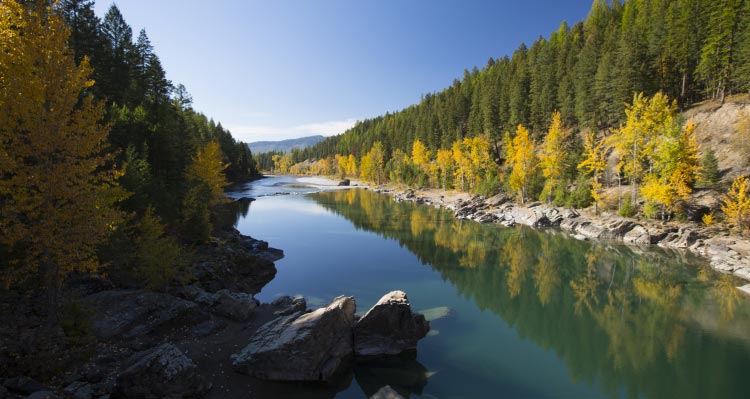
(530, 313)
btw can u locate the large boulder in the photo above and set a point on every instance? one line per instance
(301, 347)
(161, 372)
(389, 327)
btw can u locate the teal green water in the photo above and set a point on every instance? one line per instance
(534, 314)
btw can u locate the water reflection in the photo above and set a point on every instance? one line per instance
(632, 322)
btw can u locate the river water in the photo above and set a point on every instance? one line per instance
(530, 313)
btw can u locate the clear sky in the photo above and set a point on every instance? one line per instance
(276, 69)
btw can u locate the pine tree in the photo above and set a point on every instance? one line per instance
(719, 49)
(709, 171)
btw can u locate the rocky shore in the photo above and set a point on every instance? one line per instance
(208, 339)
(726, 253)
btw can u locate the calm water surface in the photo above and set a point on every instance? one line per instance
(533, 314)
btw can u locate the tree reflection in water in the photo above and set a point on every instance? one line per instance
(638, 319)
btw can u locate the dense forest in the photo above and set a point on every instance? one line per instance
(103, 159)
(545, 121)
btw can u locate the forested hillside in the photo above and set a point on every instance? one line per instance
(103, 160)
(284, 145)
(691, 50)
(592, 105)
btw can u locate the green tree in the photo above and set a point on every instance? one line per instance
(709, 171)
(719, 49)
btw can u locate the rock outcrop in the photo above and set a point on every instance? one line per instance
(161, 372)
(389, 327)
(130, 314)
(301, 347)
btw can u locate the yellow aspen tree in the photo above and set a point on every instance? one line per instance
(675, 167)
(635, 142)
(594, 164)
(523, 162)
(420, 155)
(351, 165)
(737, 204)
(341, 162)
(479, 154)
(276, 158)
(444, 161)
(57, 183)
(208, 168)
(462, 164)
(372, 166)
(553, 157)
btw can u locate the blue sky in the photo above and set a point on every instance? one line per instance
(277, 69)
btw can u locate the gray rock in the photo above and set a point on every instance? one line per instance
(79, 390)
(301, 347)
(160, 372)
(637, 235)
(134, 313)
(287, 305)
(235, 305)
(24, 385)
(389, 327)
(43, 395)
(386, 392)
(209, 327)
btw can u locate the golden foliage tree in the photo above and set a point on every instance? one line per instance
(648, 119)
(594, 164)
(208, 168)
(674, 167)
(351, 165)
(420, 155)
(737, 204)
(372, 165)
(444, 162)
(57, 183)
(523, 162)
(341, 162)
(554, 155)
(461, 163)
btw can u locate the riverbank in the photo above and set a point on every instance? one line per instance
(726, 253)
(207, 336)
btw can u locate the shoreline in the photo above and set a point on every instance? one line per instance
(725, 253)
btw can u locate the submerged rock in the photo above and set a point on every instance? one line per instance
(386, 392)
(389, 327)
(436, 313)
(301, 347)
(160, 372)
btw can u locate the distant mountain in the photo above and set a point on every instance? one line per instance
(284, 145)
